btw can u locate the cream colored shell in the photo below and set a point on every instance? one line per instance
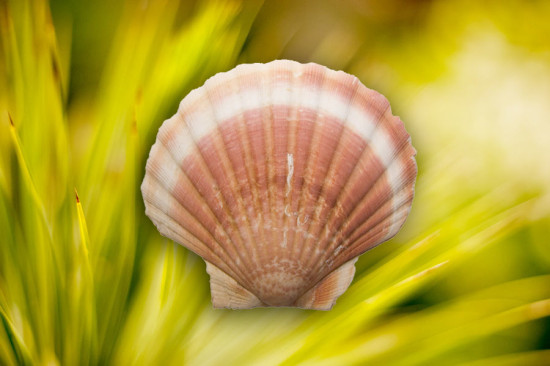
(280, 175)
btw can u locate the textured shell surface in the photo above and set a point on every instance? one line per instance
(279, 176)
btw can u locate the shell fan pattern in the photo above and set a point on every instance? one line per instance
(279, 176)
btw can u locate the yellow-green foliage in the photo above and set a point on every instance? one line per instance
(85, 278)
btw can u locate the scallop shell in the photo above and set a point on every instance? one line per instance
(279, 176)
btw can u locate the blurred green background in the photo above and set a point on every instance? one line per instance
(90, 281)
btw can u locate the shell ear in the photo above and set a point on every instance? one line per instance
(227, 293)
(324, 294)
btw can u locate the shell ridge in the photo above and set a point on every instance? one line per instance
(308, 166)
(155, 212)
(170, 216)
(186, 239)
(283, 95)
(277, 206)
(387, 207)
(291, 146)
(268, 199)
(354, 249)
(329, 242)
(322, 228)
(357, 202)
(301, 129)
(155, 176)
(167, 231)
(293, 235)
(369, 228)
(329, 115)
(234, 238)
(269, 149)
(162, 184)
(327, 229)
(238, 188)
(316, 224)
(259, 153)
(399, 221)
(351, 236)
(396, 191)
(251, 169)
(407, 164)
(245, 237)
(307, 169)
(413, 164)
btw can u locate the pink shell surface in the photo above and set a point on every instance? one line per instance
(280, 175)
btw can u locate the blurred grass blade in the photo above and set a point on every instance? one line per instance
(13, 351)
(486, 325)
(425, 336)
(534, 358)
(27, 175)
(81, 303)
(84, 236)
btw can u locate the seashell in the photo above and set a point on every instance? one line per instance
(279, 176)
